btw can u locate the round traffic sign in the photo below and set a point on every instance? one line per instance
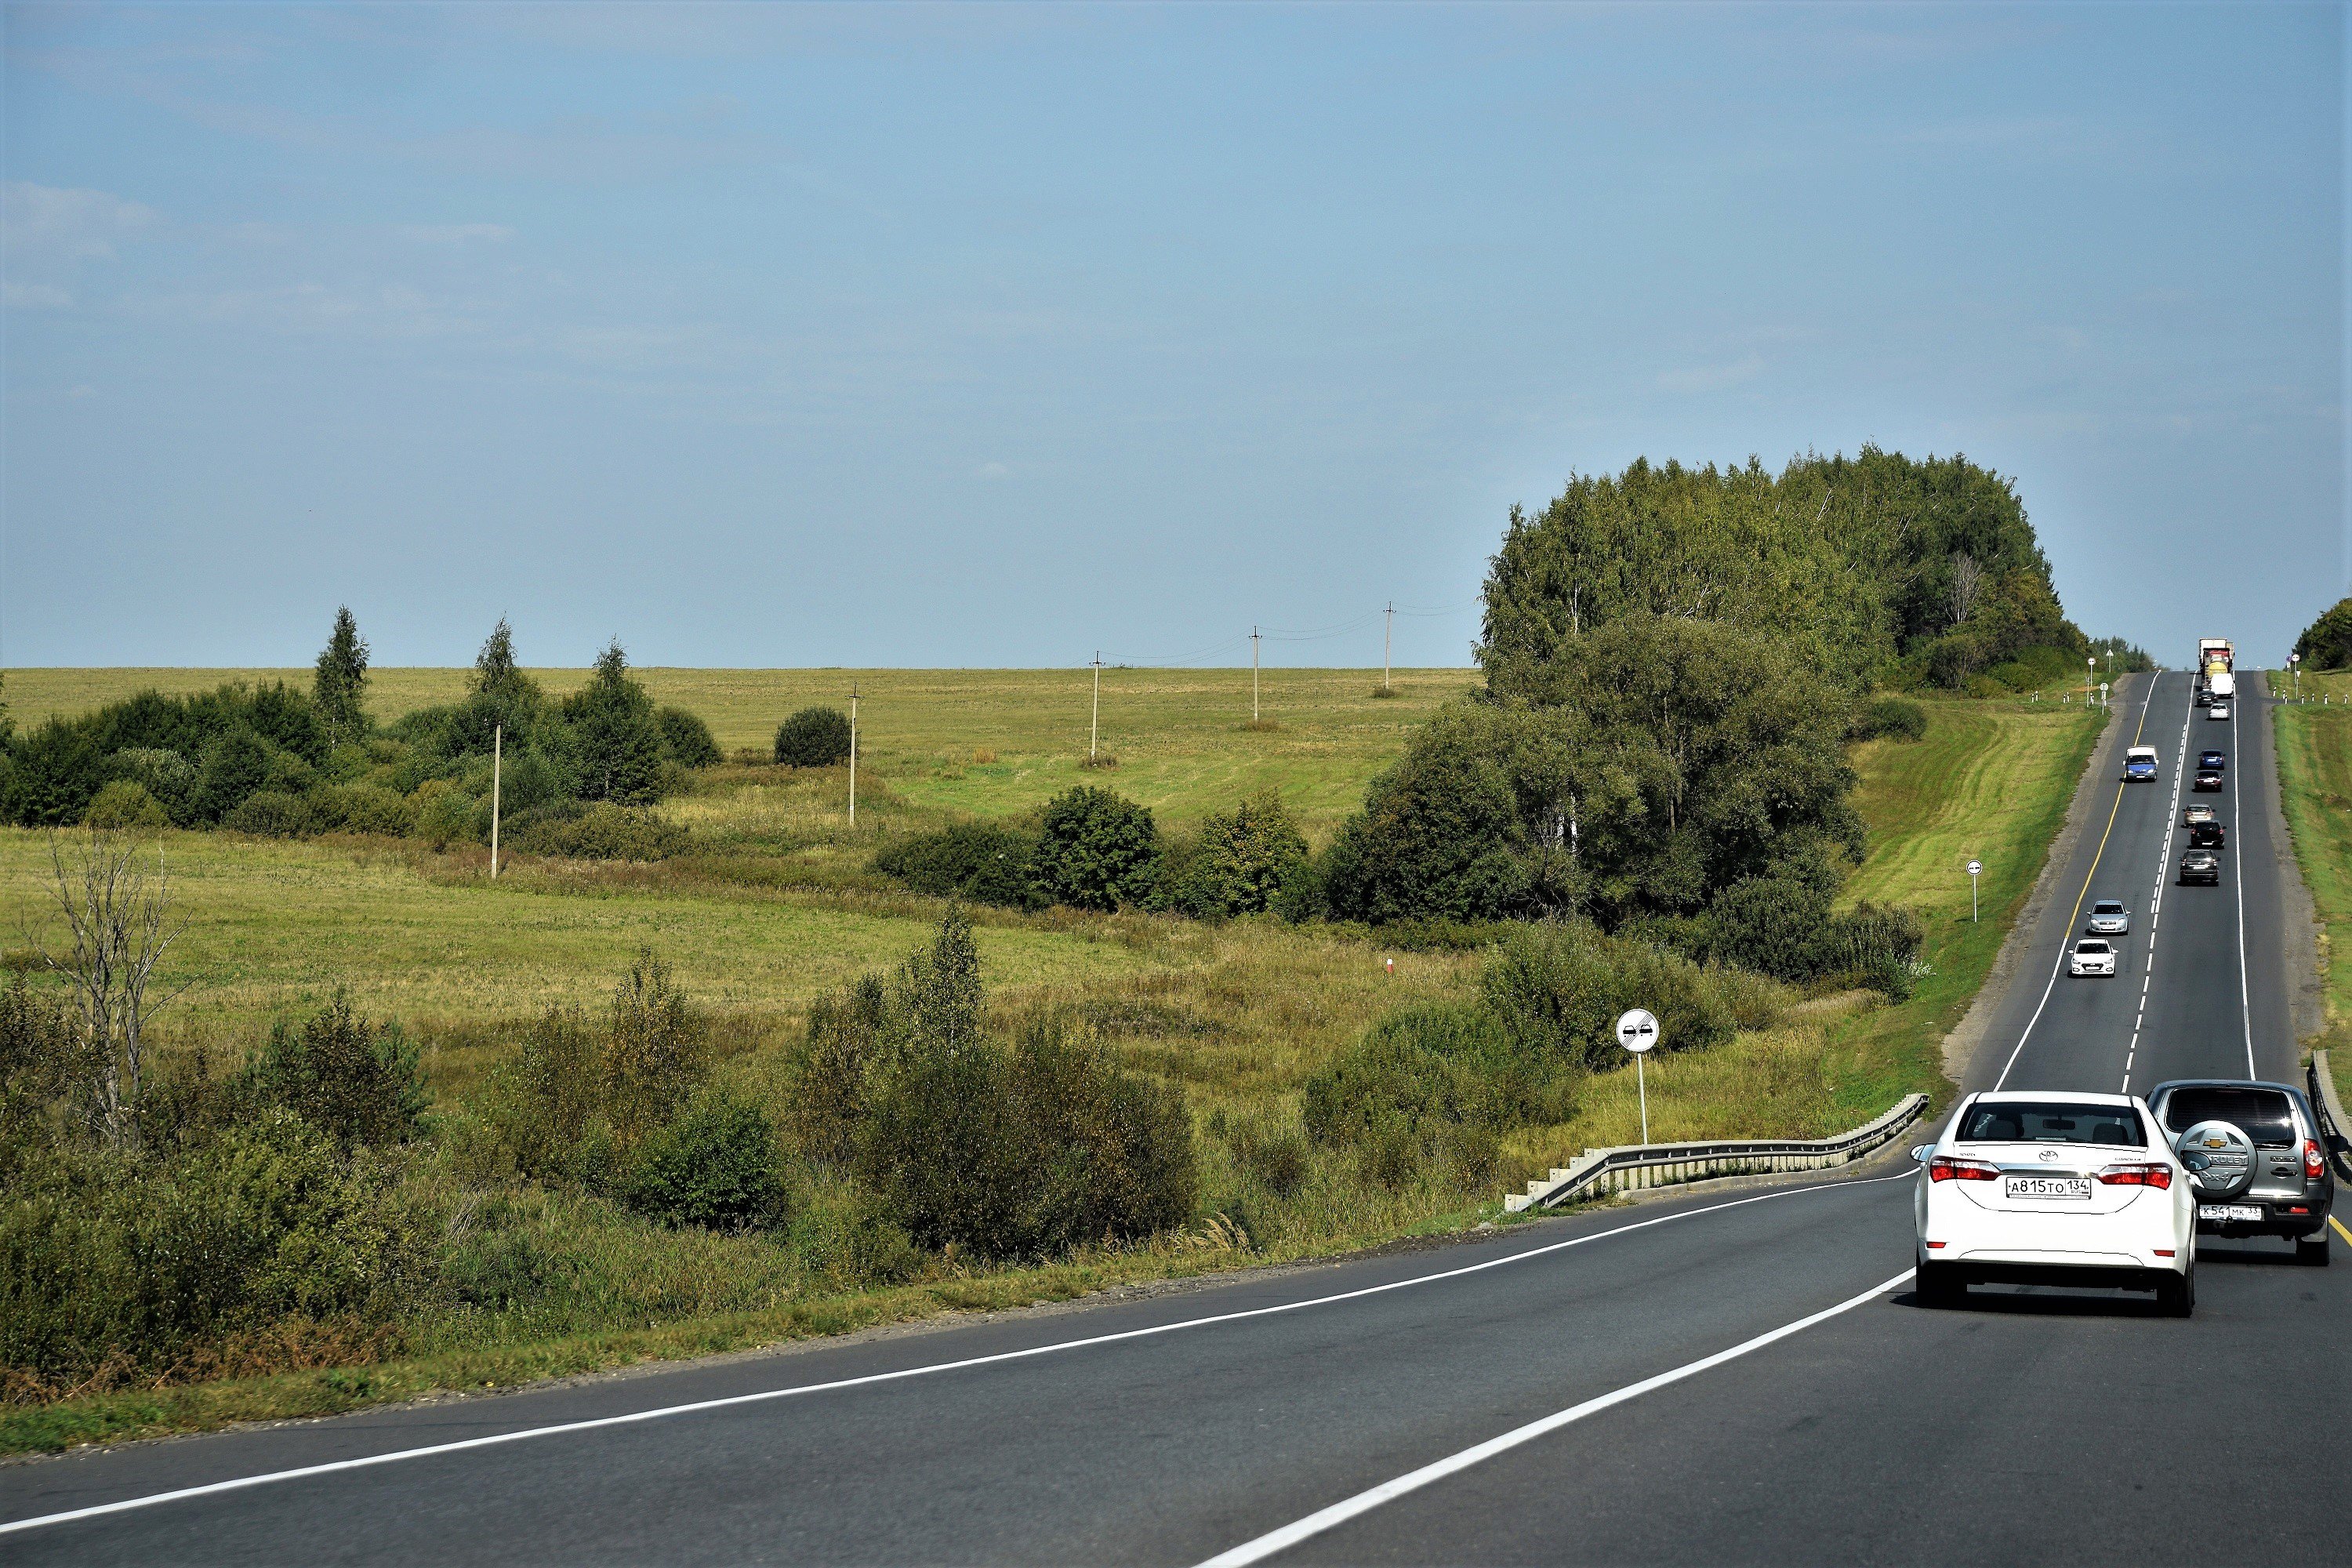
(1637, 1031)
(1975, 867)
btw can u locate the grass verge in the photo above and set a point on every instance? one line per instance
(2315, 759)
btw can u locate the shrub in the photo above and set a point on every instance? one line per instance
(1557, 990)
(123, 803)
(40, 1061)
(1781, 925)
(1238, 862)
(362, 808)
(1272, 1150)
(601, 831)
(814, 738)
(236, 765)
(1891, 718)
(163, 773)
(54, 770)
(1095, 850)
(357, 1083)
(1523, 1087)
(846, 1037)
(272, 814)
(446, 815)
(844, 1236)
(714, 1165)
(985, 862)
(546, 1101)
(1399, 1107)
(685, 740)
(657, 1052)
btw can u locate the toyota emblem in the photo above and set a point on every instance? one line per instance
(2050, 1153)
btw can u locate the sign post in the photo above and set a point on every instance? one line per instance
(1976, 868)
(1637, 1031)
(2294, 663)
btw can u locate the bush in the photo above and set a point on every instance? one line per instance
(1095, 850)
(163, 773)
(846, 1037)
(1399, 1107)
(362, 808)
(814, 738)
(446, 815)
(1781, 925)
(985, 862)
(1272, 1150)
(546, 1104)
(685, 740)
(124, 804)
(1891, 718)
(1558, 991)
(112, 1268)
(714, 1166)
(601, 831)
(355, 1082)
(656, 1050)
(843, 1236)
(1522, 1086)
(272, 814)
(1238, 862)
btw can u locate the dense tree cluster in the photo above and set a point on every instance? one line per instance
(2326, 643)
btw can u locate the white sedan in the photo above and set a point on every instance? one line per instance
(2054, 1189)
(2093, 956)
(2219, 710)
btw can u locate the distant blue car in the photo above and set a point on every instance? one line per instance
(2139, 764)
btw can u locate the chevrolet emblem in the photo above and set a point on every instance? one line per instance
(2217, 1142)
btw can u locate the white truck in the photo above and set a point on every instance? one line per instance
(2216, 667)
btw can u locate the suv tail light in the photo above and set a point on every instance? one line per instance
(2147, 1175)
(2314, 1163)
(1952, 1168)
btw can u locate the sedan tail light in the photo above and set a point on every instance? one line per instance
(2137, 1175)
(2314, 1163)
(1952, 1168)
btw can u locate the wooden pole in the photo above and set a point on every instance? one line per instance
(853, 753)
(1388, 638)
(1094, 723)
(1253, 719)
(498, 760)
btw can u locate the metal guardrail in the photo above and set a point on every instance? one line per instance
(2334, 1127)
(1662, 1165)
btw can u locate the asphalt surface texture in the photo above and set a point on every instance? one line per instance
(1738, 1377)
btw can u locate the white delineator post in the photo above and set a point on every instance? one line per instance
(1975, 868)
(1637, 1031)
(497, 759)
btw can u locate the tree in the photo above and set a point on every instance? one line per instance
(615, 742)
(340, 682)
(495, 669)
(354, 1081)
(2326, 643)
(117, 929)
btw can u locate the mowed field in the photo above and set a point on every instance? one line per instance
(988, 741)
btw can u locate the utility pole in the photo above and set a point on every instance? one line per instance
(1254, 675)
(1387, 639)
(853, 753)
(1094, 723)
(497, 759)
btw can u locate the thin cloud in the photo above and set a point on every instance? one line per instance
(1713, 377)
(54, 223)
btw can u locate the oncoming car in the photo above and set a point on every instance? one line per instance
(2053, 1189)
(2110, 918)
(2139, 764)
(2093, 956)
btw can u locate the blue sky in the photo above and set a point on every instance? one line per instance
(976, 335)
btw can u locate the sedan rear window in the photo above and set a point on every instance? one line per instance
(2108, 907)
(2054, 1121)
(2261, 1114)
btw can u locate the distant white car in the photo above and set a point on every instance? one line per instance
(2110, 918)
(2053, 1189)
(2093, 956)
(2219, 710)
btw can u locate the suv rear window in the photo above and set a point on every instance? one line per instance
(2054, 1121)
(2261, 1114)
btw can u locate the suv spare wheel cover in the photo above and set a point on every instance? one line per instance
(2228, 1154)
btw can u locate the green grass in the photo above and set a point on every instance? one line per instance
(2315, 754)
(986, 742)
(773, 910)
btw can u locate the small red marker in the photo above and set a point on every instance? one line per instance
(1391, 966)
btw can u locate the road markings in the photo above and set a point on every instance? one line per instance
(1338, 1513)
(2156, 903)
(2066, 942)
(2339, 1223)
(2237, 794)
(634, 1417)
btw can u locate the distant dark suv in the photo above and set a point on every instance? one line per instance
(2200, 865)
(2208, 835)
(2254, 1158)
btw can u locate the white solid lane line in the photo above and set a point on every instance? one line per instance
(2156, 903)
(2237, 794)
(1363, 1502)
(243, 1482)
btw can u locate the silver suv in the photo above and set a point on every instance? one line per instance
(2254, 1158)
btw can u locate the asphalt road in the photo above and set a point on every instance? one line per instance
(1726, 1378)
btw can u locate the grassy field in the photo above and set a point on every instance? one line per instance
(1238, 1014)
(2315, 753)
(989, 742)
